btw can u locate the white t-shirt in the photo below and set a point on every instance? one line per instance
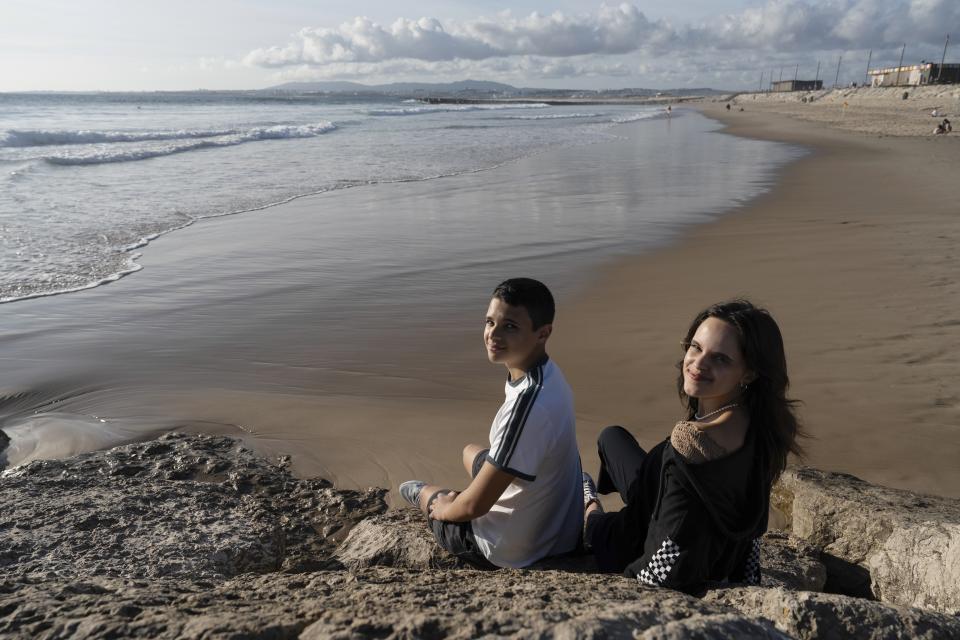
(533, 438)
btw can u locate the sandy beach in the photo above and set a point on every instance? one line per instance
(853, 250)
(869, 110)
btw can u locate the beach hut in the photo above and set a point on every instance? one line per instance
(797, 85)
(916, 74)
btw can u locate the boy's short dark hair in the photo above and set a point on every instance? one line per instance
(532, 295)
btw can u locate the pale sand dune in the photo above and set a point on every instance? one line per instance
(855, 253)
(881, 111)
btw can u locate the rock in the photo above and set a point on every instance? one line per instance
(382, 602)
(195, 536)
(825, 616)
(640, 620)
(791, 563)
(4, 441)
(197, 507)
(897, 546)
(395, 539)
(401, 539)
(378, 602)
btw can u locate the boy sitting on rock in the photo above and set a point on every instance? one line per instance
(525, 500)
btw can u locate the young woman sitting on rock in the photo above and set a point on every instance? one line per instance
(696, 504)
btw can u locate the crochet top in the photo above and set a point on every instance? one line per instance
(695, 445)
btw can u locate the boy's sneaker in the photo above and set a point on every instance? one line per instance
(410, 491)
(589, 490)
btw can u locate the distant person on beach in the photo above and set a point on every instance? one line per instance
(525, 498)
(696, 504)
(943, 127)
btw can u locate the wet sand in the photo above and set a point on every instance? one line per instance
(853, 251)
(344, 328)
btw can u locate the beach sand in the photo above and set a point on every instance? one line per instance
(869, 110)
(853, 251)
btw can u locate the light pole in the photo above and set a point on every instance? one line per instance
(943, 58)
(900, 66)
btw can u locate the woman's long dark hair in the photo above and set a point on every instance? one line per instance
(771, 412)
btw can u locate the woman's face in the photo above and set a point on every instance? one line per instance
(714, 366)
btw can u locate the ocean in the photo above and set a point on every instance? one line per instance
(87, 179)
(300, 270)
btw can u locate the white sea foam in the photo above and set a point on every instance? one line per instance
(639, 116)
(49, 137)
(554, 116)
(101, 155)
(54, 137)
(442, 108)
(132, 267)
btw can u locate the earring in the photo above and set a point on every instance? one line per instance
(743, 386)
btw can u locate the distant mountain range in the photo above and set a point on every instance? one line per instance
(470, 88)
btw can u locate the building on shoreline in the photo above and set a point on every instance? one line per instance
(796, 85)
(915, 75)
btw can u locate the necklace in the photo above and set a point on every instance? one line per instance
(713, 413)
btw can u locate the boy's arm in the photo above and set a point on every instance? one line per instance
(475, 500)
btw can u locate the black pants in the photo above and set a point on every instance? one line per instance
(457, 537)
(616, 538)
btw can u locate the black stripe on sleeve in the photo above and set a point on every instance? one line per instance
(513, 472)
(517, 420)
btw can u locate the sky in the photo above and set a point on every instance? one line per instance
(143, 45)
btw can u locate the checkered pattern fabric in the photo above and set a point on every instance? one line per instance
(660, 564)
(751, 573)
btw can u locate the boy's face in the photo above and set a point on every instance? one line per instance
(509, 335)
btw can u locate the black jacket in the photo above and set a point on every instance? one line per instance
(707, 522)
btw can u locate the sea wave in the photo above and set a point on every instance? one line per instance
(100, 155)
(59, 137)
(554, 116)
(51, 137)
(441, 108)
(640, 116)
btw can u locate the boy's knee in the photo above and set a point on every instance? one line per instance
(470, 454)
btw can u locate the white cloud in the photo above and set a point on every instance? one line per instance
(610, 30)
(778, 25)
(831, 24)
(613, 41)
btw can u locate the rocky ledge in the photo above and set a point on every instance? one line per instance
(196, 537)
